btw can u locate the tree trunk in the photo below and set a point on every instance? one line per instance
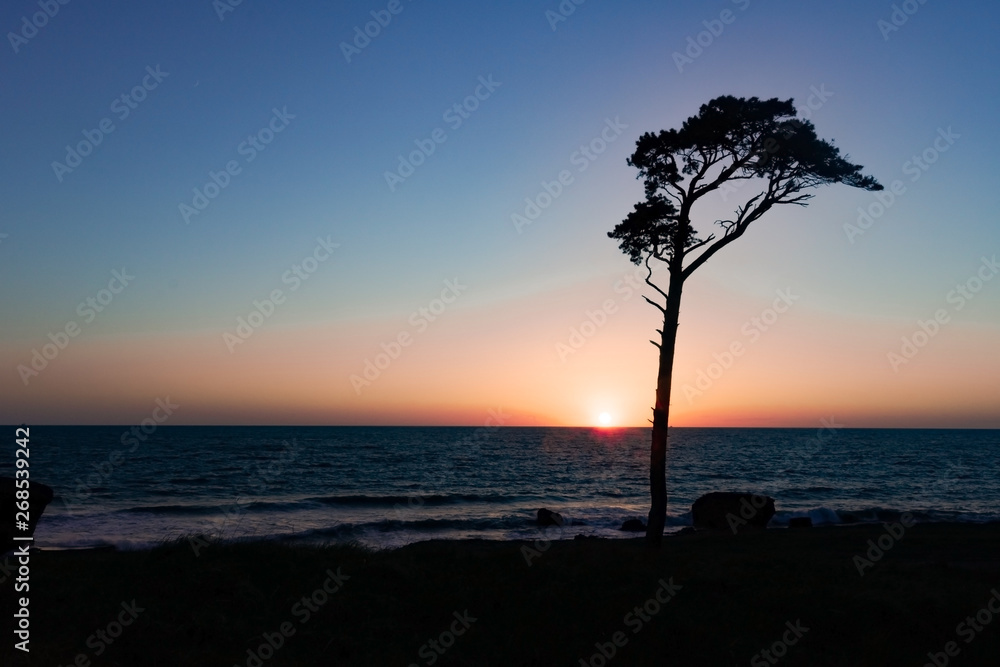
(661, 413)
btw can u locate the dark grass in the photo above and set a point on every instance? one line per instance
(737, 594)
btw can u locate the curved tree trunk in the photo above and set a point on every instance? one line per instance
(661, 413)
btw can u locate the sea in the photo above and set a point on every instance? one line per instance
(385, 487)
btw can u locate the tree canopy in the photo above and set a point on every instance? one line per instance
(730, 139)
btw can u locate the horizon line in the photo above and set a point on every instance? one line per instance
(500, 426)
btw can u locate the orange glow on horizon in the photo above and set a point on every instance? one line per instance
(485, 365)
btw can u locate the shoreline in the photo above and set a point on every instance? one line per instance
(535, 603)
(566, 533)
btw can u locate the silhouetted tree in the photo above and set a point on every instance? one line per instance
(731, 139)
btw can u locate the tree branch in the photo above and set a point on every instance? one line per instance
(746, 215)
(649, 282)
(712, 249)
(711, 237)
(705, 164)
(727, 173)
(654, 304)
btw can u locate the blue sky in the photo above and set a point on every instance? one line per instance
(886, 95)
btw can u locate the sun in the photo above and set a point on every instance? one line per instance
(604, 418)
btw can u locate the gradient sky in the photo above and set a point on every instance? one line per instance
(882, 95)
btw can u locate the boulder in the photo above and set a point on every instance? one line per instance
(549, 518)
(634, 526)
(800, 522)
(734, 512)
(39, 496)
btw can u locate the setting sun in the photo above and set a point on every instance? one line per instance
(604, 418)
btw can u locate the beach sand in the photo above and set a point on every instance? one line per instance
(703, 599)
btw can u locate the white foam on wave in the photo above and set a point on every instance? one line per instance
(823, 516)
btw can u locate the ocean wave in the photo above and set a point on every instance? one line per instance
(342, 477)
(491, 514)
(346, 530)
(827, 516)
(804, 492)
(393, 530)
(390, 502)
(415, 500)
(170, 509)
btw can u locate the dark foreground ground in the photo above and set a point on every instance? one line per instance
(796, 594)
